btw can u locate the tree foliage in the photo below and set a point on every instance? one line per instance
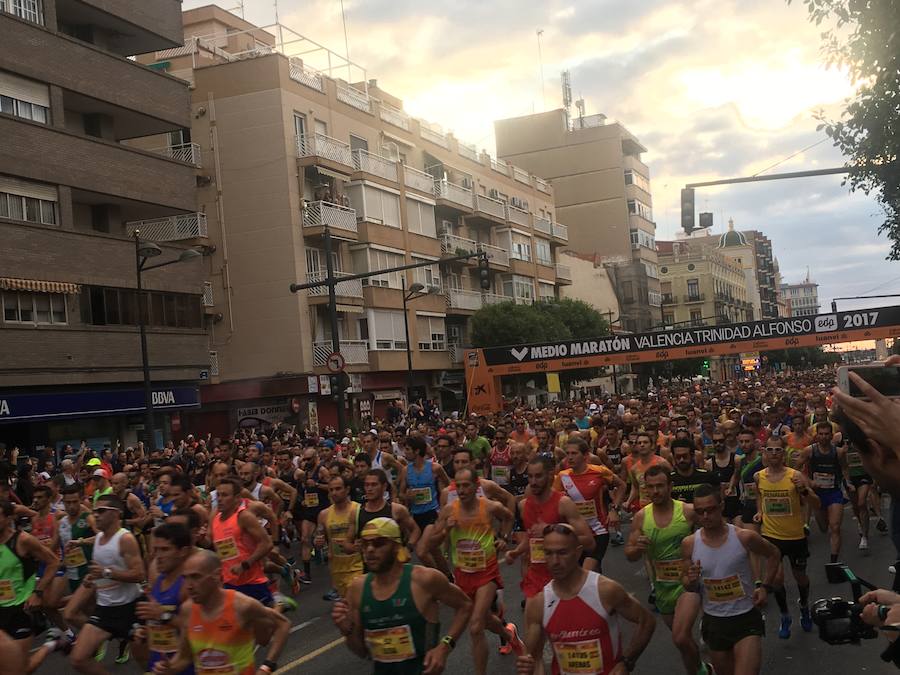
(802, 357)
(864, 37)
(510, 324)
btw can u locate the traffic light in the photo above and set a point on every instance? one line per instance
(484, 272)
(687, 210)
(704, 370)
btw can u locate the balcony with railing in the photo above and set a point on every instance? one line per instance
(367, 162)
(306, 76)
(189, 153)
(433, 134)
(418, 180)
(542, 185)
(496, 255)
(457, 353)
(454, 194)
(667, 299)
(561, 231)
(495, 298)
(543, 225)
(563, 272)
(353, 97)
(321, 213)
(355, 352)
(208, 300)
(500, 166)
(467, 150)
(172, 228)
(344, 289)
(521, 175)
(394, 116)
(490, 206)
(454, 245)
(695, 297)
(467, 300)
(320, 145)
(517, 215)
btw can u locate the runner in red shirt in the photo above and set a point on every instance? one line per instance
(544, 506)
(588, 485)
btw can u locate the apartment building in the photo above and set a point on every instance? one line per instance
(295, 143)
(700, 287)
(70, 97)
(801, 299)
(602, 192)
(753, 250)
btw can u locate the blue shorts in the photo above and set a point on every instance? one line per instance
(259, 592)
(829, 497)
(61, 572)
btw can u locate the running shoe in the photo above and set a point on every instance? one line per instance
(331, 596)
(124, 652)
(295, 581)
(806, 621)
(505, 650)
(289, 604)
(617, 539)
(806, 530)
(302, 578)
(515, 642)
(100, 654)
(785, 631)
(864, 545)
(881, 526)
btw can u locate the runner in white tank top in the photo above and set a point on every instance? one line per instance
(716, 563)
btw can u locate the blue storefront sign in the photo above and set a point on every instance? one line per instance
(55, 405)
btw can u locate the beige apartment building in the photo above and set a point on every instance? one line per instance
(70, 100)
(602, 191)
(700, 286)
(295, 139)
(801, 299)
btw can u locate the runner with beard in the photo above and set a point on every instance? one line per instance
(376, 506)
(420, 484)
(391, 614)
(543, 506)
(722, 465)
(337, 526)
(313, 500)
(686, 477)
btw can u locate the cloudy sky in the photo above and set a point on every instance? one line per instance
(712, 89)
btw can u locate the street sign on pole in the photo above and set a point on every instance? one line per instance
(336, 362)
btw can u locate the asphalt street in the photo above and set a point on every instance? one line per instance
(315, 646)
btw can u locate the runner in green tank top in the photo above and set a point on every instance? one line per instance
(391, 614)
(656, 532)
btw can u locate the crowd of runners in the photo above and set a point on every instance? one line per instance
(187, 558)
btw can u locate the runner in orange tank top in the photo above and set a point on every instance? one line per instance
(242, 544)
(221, 627)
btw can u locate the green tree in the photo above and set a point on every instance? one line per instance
(864, 37)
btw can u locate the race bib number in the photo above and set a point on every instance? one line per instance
(226, 548)
(587, 509)
(420, 496)
(7, 593)
(778, 506)
(500, 474)
(310, 499)
(214, 662)
(75, 557)
(579, 658)
(163, 639)
(823, 481)
(390, 645)
(854, 460)
(536, 551)
(750, 491)
(470, 557)
(724, 590)
(667, 570)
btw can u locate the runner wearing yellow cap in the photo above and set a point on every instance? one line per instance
(391, 614)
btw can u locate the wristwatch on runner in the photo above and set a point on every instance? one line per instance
(449, 641)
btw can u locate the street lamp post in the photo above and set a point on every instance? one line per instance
(144, 251)
(415, 291)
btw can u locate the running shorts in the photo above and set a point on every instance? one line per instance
(722, 633)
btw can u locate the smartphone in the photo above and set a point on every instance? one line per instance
(886, 379)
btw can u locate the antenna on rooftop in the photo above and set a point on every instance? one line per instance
(239, 7)
(540, 32)
(566, 81)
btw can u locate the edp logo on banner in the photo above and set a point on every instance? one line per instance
(826, 323)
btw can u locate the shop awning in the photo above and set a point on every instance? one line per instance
(355, 309)
(38, 286)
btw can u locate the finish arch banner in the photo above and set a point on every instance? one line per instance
(485, 366)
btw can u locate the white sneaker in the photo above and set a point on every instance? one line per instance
(863, 544)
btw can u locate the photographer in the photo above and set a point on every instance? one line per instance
(872, 423)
